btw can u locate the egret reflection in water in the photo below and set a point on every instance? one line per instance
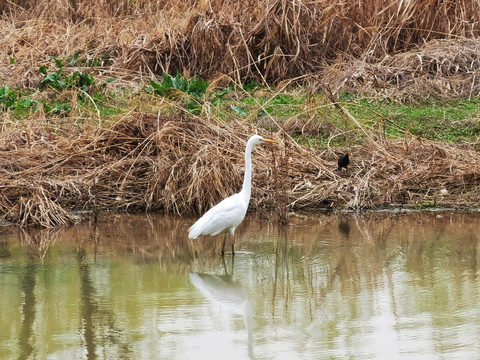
(229, 295)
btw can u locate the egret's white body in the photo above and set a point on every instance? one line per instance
(229, 213)
(223, 217)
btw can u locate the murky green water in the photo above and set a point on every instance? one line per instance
(381, 286)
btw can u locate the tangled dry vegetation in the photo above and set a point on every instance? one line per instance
(443, 68)
(181, 163)
(185, 164)
(409, 46)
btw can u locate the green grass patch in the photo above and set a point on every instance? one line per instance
(310, 119)
(452, 120)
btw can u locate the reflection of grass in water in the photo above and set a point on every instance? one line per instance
(314, 277)
(26, 338)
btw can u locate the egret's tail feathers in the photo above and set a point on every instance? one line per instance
(193, 232)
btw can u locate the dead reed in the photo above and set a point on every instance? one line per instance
(413, 172)
(270, 40)
(439, 68)
(181, 163)
(184, 164)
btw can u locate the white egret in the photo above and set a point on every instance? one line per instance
(229, 213)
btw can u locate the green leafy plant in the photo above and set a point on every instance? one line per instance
(79, 79)
(250, 85)
(89, 60)
(195, 87)
(88, 96)
(219, 95)
(54, 79)
(15, 100)
(7, 98)
(175, 87)
(58, 107)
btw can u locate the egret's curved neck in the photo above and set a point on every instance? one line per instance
(247, 178)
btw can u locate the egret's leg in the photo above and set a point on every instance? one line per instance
(224, 266)
(223, 246)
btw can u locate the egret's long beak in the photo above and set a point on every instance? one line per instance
(269, 140)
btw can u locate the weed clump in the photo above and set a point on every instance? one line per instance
(371, 43)
(179, 87)
(155, 157)
(183, 164)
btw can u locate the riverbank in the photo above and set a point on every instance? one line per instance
(185, 164)
(107, 108)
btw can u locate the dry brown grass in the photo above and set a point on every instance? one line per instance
(409, 172)
(181, 163)
(271, 40)
(448, 67)
(142, 162)
(184, 164)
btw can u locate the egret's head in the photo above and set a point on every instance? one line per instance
(257, 139)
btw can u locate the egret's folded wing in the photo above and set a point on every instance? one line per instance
(225, 215)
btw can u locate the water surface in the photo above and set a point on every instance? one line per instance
(378, 286)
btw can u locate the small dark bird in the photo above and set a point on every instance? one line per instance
(343, 161)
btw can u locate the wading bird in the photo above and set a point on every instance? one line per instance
(229, 213)
(343, 161)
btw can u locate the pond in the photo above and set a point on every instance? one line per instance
(375, 286)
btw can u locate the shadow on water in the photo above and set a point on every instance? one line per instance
(4, 251)
(344, 227)
(88, 307)
(322, 286)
